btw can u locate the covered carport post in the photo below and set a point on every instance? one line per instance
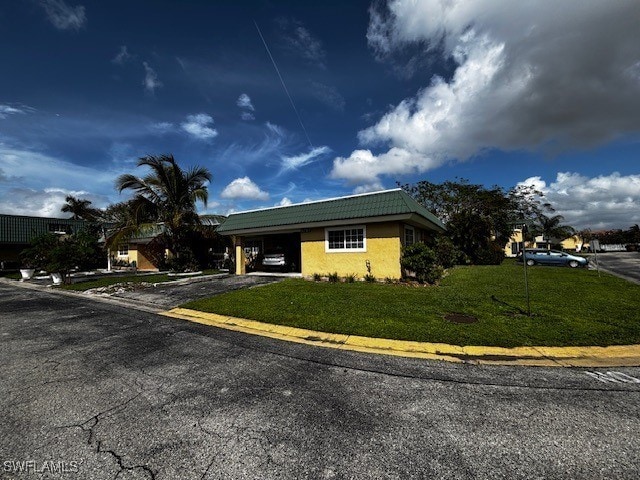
(241, 264)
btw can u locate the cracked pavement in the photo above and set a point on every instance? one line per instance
(132, 395)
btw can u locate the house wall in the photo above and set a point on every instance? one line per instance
(516, 238)
(139, 254)
(574, 243)
(383, 249)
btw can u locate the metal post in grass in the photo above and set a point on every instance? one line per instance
(525, 230)
(595, 244)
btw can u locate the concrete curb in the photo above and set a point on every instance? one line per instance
(619, 275)
(619, 355)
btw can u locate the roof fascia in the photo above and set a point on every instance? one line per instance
(331, 223)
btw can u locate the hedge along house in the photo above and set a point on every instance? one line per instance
(346, 235)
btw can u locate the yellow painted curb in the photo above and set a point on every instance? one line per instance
(619, 355)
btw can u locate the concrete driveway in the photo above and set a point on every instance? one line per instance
(98, 391)
(622, 264)
(168, 295)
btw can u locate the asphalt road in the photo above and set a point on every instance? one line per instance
(625, 264)
(102, 391)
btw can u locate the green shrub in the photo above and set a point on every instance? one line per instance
(37, 254)
(184, 261)
(317, 277)
(491, 255)
(350, 278)
(389, 280)
(422, 261)
(369, 278)
(333, 277)
(447, 254)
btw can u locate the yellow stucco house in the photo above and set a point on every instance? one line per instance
(346, 235)
(146, 250)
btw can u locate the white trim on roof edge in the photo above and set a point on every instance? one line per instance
(315, 201)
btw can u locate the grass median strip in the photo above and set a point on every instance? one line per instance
(107, 281)
(571, 308)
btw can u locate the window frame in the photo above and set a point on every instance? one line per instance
(343, 229)
(121, 248)
(413, 233)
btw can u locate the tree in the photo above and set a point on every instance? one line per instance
(167, 195)
(79, 208)
(551, 227)
(479, 220)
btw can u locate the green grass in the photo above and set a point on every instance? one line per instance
(11, 275)
(106, 281)
(569, 306)
(211, 271)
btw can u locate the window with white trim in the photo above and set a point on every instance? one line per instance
(409, 236)
(123, 250)
(349, 239)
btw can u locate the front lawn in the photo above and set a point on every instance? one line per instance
(570, 307)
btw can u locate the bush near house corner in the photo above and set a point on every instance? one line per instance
(422, 261)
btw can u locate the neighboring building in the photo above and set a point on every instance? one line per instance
(345, 235)
(145, 250)
(17, 231)
(514, 246)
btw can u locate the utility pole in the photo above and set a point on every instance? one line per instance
(525, 230)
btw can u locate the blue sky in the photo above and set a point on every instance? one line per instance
(385, 92)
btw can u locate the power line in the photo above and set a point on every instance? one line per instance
(286, 90)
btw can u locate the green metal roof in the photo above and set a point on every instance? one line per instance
(378, 204)
(18, 229)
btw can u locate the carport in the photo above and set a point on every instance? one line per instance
(354, 235)
(255, 247)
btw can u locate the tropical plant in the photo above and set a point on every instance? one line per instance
(36, 256)
(167, 195)
(80, 209)
(552, 228)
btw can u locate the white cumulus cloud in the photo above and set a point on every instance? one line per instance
(200, 126)
(526, 74)
(244, 188)
(603, 202)
(286, 201)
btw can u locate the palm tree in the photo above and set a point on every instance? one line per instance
(551, 227)
(79, 208)
(168, 195)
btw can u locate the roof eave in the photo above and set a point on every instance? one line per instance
(413, 218)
